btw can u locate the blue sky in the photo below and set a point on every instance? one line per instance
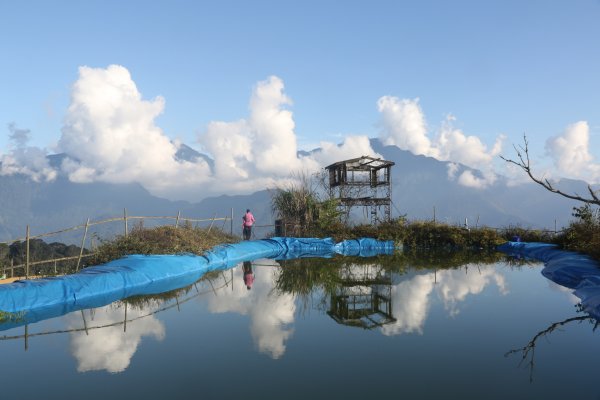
(498, 67)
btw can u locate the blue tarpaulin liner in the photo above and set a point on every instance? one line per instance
(150, 274)
(566, 268)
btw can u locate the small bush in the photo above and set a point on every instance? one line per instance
(583, 234)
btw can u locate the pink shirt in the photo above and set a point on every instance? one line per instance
(249, 279)
(248, 219)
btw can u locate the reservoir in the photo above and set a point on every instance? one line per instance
(342, 327)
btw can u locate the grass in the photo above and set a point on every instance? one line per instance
(161, 240)
(8, 317)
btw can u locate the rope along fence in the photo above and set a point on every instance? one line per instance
(125, 219)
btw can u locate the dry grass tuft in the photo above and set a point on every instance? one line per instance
(161, 240)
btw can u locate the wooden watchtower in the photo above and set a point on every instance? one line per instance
(363, 297)
(364, 181)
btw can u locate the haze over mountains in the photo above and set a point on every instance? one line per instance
(420, 184)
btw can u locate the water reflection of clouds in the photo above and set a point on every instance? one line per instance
(270, 314)
(568, 293)
(411, 299)
(456, 285)
(110, 348)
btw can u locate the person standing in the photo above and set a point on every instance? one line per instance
(248, 221)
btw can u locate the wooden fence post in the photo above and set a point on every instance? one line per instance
(177, 220)
(87, 224)
(125, 219)
(27, 253)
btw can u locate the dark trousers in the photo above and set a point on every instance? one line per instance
(247, 232)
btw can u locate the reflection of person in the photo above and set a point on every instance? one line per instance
(248, 221)
(248, 274)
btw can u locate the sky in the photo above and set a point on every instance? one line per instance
(118, 86)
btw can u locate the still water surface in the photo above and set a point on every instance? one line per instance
(319, 328)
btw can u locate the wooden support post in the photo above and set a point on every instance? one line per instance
(27, 253)
(87, 224)
(232, 221)
(55, 267)
(224, 278)
(177, 300)
(26, 337)
(12, 267)
(212, 222)
(177, 220)
(84, 323)
(213, 288)
(125, 320)
(125, 219)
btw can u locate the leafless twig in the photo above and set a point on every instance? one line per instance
(524, 163)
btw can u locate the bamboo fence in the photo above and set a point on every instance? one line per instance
(86, 327)
(125, 219)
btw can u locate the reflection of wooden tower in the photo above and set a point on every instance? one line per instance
(363, 181)
(363, 298)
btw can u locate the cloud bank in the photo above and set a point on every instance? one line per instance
(110, 135)
(24, 159)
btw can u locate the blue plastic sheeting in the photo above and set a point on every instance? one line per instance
(566, 268)
(141, 275)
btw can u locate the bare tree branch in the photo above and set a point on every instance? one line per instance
(528, 351)
(524, 163)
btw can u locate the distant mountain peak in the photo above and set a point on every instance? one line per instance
(186, 153)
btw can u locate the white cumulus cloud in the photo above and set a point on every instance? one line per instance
(109, 135)
(404, 125)
(110, 348)
(571, 154)
(261, 150)
(271, 314)
(412, 299)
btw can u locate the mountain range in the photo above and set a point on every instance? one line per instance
(420, 189)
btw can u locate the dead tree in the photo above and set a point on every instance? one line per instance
(524, 164)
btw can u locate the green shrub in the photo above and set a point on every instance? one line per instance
(583, 234)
